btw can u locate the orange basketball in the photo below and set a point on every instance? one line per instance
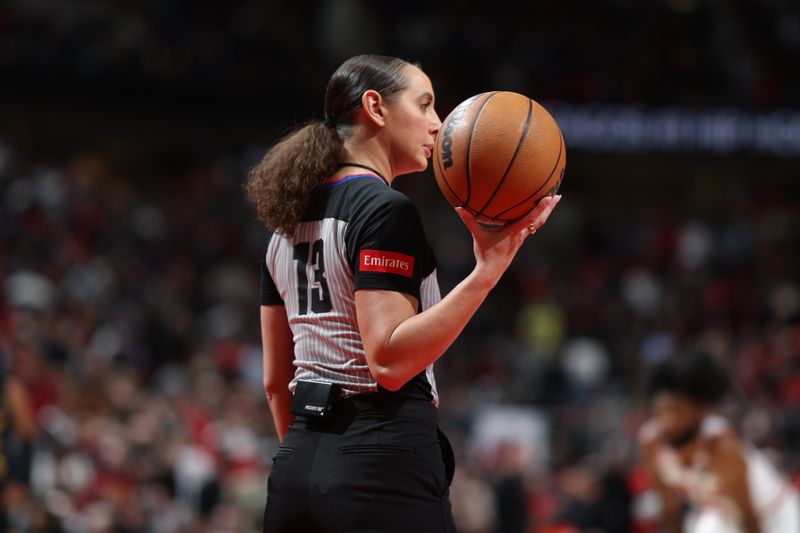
(497, 154)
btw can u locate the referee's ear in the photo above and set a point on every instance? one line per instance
(372, 108)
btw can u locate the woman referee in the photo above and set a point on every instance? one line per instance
(351, 316)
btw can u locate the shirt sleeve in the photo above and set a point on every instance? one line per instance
(269, 292)
(387, 247)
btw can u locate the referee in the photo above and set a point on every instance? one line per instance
(351, 316)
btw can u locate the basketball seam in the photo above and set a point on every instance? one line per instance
(469, 143)
(443, 174)
(513, 158)
(532, 195)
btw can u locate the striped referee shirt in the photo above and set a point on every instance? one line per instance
(357, 233)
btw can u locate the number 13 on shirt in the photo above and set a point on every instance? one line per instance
(311, 264)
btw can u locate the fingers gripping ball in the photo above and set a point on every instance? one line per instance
(497, 154)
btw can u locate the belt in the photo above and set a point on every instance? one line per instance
(387, 404)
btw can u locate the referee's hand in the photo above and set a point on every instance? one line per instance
(495, 248)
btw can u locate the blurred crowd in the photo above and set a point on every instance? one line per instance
(665, 52)
(126, 316)
(131, 357)
(130, 362)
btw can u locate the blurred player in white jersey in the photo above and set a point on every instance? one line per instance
(698, 460)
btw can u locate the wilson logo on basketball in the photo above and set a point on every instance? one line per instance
(447, 141)
(390, 262)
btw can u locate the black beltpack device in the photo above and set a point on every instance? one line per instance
(314, 398)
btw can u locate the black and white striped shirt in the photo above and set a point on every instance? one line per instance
(357, 233)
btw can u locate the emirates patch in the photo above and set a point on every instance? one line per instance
(390, 262)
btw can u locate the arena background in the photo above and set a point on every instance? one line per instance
(129, 298)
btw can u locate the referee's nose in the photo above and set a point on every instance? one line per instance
(436, 125)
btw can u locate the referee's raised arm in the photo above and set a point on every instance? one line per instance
(400, 342)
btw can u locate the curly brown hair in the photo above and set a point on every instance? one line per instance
(281, 185)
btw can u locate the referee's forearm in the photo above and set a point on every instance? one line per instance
(418, 341)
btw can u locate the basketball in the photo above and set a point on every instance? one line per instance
(497, 154)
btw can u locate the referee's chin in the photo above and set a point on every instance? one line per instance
(420, 166)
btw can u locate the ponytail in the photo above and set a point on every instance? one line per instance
(280, 186)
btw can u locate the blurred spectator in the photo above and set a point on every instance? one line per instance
(596, 501)
(17, 433)
(510, 493)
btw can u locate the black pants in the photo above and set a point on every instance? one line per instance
(379, 464)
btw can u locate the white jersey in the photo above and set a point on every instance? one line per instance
(357, 233)
(774, 499)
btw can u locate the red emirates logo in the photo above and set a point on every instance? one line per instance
(391, 262)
